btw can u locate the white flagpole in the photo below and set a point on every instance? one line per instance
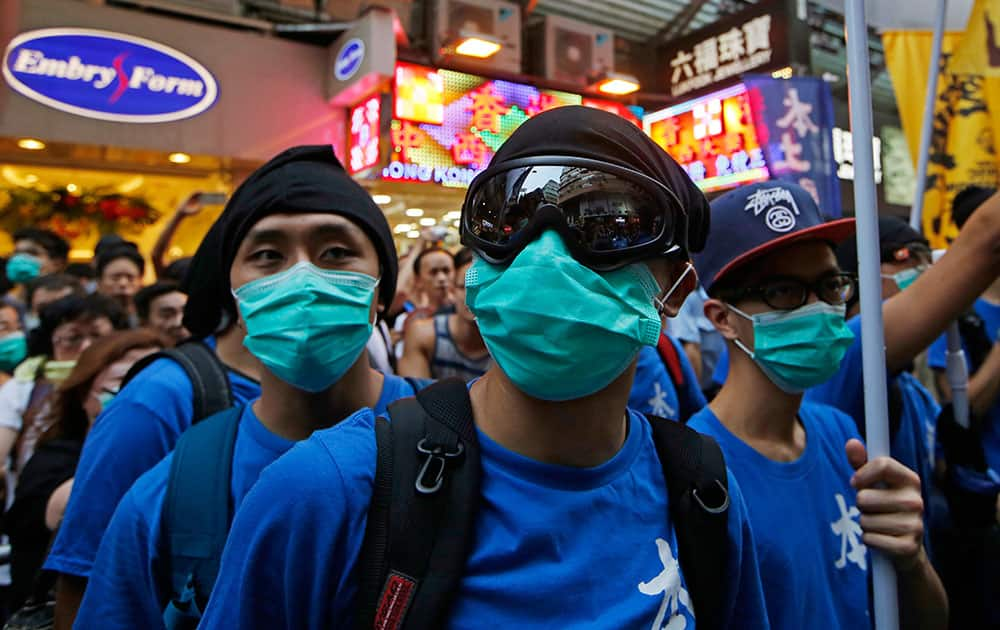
(872, 333)
(927, 126)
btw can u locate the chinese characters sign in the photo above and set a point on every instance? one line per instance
(713, 138)
(447, 125)
(794, 119)
(756, 39)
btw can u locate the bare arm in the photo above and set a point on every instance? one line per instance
(69, 594)
(188, 207)
(418, 348)
(892, 522)
(915, 317)
(55, 507)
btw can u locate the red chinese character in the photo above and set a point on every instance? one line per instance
(469, 148)
(670, 132)
(685, 154)
(486, 109)
(734, 142)
(407, 137)
(542, 102)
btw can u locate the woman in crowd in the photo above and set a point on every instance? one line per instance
(44, 485)
(68, 326)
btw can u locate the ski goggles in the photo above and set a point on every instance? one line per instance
(609, 216)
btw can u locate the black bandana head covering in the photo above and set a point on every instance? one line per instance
(306, 179)
(578, 131)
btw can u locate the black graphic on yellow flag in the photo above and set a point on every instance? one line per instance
(979, 51)
(966, 116)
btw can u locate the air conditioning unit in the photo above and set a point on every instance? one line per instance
(572, 51)
(494, 18)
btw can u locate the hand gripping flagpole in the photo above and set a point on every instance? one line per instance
(872, 334)
(927, 128)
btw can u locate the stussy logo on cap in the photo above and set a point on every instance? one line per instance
(780, 206)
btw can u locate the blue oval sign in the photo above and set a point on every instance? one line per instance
(108, 76)
(349, 59)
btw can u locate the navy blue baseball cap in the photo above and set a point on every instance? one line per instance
(757, 219)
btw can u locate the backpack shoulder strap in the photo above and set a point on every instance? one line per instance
(212, 392)
(698, 493)
(420, 523)
(196, 513)
(668, 354)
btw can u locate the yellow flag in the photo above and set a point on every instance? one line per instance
(979, 50)
(966, 115)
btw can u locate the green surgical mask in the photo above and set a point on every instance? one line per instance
(799, 349)
(57, 371)
(13, 349)
(905, 278)
(105, 397)
(23, 268)
(307, 325)
(558, 329)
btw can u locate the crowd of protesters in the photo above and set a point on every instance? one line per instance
(664, 430)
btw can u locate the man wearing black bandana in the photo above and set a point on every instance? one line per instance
(581, 227)
(296, 227)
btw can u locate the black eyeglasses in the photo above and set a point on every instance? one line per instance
(785, 294)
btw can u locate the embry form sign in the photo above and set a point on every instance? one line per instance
(107, 76)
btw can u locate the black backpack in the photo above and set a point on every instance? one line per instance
(198, 512)
(422, 515)
(212, 392)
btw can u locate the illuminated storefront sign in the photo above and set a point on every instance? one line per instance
(766, 36)
(108, 76)
(364, 135)
(446, 125)
(843, 153)
(713, 138)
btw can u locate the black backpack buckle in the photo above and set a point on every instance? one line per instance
(431, 475)
(716, 494)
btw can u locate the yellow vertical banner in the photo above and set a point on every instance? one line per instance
(979, 52)
(966, 113)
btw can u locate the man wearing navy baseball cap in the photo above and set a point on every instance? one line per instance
(778, 298)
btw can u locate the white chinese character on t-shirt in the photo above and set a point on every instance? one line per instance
(668, 582)
(849, 531)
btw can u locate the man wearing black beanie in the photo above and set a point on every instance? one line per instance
(309, 257)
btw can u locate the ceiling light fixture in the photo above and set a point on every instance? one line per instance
(402, 227)
(477, 45)
(413, 234)
(31, 144)
(414, 212)
(382, 199)
(616, 84)
(179, 158)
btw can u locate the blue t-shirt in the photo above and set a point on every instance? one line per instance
(936, 359)
(554, 546)
(813, 564)
(135, 431)
(913, 443)
(653, 391)
(130, 583)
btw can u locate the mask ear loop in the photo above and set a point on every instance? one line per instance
(739, 344)
(661, 302)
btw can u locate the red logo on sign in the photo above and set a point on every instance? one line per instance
(396, 598)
